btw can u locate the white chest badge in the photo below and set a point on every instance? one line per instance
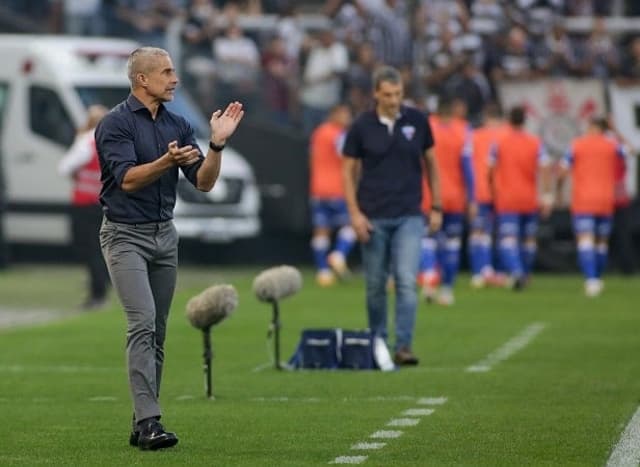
(408, 131)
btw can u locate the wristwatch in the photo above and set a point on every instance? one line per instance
(216, 148)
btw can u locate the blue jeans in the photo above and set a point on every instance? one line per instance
(394, 247)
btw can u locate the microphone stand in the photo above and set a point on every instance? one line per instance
(208, 355)
(275, 327)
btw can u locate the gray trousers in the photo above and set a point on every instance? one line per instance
(142, 260)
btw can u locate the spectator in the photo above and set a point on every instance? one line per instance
(322, 79)
(444, 58)
(437, 15)
(557, 57)
(630, 69)
(514, 61)
(359, 81)
(491, 13)
(588, 7)
(199, 28)
(289, 28)
(237, 67)
(83, 17)
(601, 58)
(472, 87)
(197, 34)
(148, 20)
(279, 74)
(388, 31)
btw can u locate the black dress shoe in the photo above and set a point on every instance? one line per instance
(133, 438)
(152, 436)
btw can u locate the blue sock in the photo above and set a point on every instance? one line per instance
(477, 255)
(428, 253)
(528, 257)
(320, 248)
(587, 259)
(487, 253)
(602, 252)
(345, 240)
(510, 256)
(450, 261)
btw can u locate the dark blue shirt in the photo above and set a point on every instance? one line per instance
(390, 183)
(128, 136)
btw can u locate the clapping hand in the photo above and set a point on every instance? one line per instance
(186, 155)
(223, 124)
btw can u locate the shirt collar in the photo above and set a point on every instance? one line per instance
(134, 104)
(388, 122)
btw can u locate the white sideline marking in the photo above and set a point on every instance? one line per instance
(185, 397)
(103, 399)
(509, 348)
(10, 318)
(344, 399)
(365, 446)
(418, 412)
(386, 434)
(349, 460)
(56, 369)
(404, 422)
(261, 367)
(627, 451)
(432, 400)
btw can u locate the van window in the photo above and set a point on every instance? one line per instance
(109, 96)
(48, 116)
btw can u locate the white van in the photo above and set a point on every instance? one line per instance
(46, 84)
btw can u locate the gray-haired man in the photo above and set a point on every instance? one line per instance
(141, 146)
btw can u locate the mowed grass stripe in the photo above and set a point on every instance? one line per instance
(563, 401)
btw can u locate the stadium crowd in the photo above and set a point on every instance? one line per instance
(292, 61)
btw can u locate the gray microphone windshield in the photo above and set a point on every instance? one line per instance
(276, 283)
(212, 305)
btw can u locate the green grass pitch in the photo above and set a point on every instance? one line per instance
(562, 399)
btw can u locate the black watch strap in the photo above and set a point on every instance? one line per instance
(216, 148)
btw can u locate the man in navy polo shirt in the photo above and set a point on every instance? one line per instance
(141, 147)
(384, 153)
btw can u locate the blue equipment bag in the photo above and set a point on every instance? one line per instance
(357, 350)
(334, 348)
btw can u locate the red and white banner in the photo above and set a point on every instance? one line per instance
(557, 109)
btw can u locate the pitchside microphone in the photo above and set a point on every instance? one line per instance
(212, 305)
(277, 283)
(204, 311)
(274, 284)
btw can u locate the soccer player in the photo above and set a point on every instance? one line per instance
(519, 164)
(481, 236)
(452, 151)
(592, 161)
(328, 207)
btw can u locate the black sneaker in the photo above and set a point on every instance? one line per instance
(152, 436)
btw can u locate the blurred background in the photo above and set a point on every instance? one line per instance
(565, 60)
